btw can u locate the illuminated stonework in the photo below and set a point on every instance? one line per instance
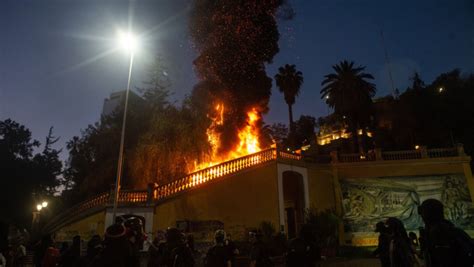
(327, 138)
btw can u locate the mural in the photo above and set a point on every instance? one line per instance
(368, 201)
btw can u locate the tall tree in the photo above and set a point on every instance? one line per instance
(48, 166)
(289, 81)
(305, 130)
(349, 92)
(23, 173)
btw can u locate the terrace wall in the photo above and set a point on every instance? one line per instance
(236, 202)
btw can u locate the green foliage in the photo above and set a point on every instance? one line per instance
(173, 143)
(275, 241)
(289, 81)
(92, 164)
(323, 225)
(163, 141)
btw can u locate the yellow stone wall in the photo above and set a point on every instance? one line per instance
(244, 200)
(321, 188)
(400, 168)
(239, 201)
(86, 228)
(421, 167)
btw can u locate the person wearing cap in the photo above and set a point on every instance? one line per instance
(444, 244)
(218, 255)
(118, 250)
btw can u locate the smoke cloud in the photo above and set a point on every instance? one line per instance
(235, 39)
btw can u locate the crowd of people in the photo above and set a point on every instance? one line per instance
(122, 246)
(440, 243)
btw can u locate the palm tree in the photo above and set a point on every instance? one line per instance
(289, 81)
(350, 94)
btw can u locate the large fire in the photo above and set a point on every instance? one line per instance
(248, 142)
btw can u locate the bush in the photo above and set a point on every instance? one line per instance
(323, 226)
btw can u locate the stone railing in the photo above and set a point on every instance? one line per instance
(133, 196)
(443, 152)
(195, 179)
(98, 201)
(401, 155)
(161, 192)
(286, 155)
(356, 157)
(212, 173)
(419, 153)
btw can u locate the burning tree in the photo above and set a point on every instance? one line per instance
(234, 40)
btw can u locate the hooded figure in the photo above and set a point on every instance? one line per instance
(444, 244)
(383, 248)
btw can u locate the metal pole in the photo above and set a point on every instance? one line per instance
(122, 141)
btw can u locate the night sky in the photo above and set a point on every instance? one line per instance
(55, 68)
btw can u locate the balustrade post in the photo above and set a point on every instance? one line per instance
(334, 157)
(378, 154)
(149, 192)
(111, 194)
(424, 152)
(460, 150)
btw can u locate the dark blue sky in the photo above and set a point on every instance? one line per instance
(48, 77)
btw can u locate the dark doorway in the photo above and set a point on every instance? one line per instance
(293, 197)
(291, 222)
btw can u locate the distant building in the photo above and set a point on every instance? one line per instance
(116, 100)
(332, 130)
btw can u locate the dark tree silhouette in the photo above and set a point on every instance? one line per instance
(305, 130)
(417, 82)
(24, 174)
(350, 94)
(289, 81)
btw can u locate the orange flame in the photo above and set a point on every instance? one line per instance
(248, 138)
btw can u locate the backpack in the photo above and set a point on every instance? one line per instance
(181, 256)
(463, 247)
(450, 246)
(216, 256)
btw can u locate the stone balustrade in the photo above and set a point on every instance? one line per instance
(200, 177)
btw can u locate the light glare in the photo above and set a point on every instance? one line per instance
(39, 207)
(128, 42)
(44, 204)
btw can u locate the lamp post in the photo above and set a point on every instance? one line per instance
(36, 216)
(128, 43)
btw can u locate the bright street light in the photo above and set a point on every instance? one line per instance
(129, 43)
(441, 89)
(39, 207)
(44, 204)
